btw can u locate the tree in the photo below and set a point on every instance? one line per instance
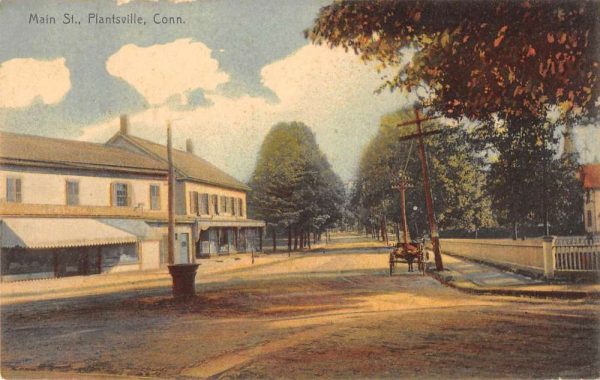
(504, 64)
(456, 176)
(509, 58)
(293, 185)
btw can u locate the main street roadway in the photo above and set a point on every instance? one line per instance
(334, 315)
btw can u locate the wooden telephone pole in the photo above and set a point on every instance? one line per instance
(402, 184)
(435, 239)
(171, 191)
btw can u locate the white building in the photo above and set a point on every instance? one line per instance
(77, 208)
(590, 176)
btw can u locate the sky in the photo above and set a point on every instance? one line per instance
(224, 77)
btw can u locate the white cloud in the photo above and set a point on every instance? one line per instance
(22, 80)
(329, 90)
(159, 72)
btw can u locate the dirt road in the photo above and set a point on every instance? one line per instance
(322, 315)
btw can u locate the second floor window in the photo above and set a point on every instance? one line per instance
(590, 221)
(193, 202)
(215, 204)
(154, 197)
(13, 190)
(240, 207)
(72, 193)
(232, 205)
(224, 204)
(121, 194)
(203, 200)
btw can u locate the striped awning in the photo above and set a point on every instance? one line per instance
(39, 233)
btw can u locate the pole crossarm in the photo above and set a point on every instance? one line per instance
(435, 240)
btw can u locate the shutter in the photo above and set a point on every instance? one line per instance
(18, 189)
(113, 195)
(197, 203)
(129, 195)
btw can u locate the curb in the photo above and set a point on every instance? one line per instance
(474, 289)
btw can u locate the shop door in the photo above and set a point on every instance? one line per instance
(183, 248)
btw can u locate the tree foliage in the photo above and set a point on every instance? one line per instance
(509, 58)
(456, 175)
(293, 184)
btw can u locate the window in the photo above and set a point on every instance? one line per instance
(13, 190)
(590, 222)
(72, 193)
(154, 197)
(215, 204)
(240, 207)
(193, 202)
(224, 203)
(588, 195)
(121, 194)
(203, 204)
(231, 201)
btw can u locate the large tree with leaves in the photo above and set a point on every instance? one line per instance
(293, 185)
(457, 177)
(509, 58)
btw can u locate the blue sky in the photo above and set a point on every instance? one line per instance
(224, 77)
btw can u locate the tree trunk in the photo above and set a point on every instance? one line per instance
(301, 239)
(397, 230)
(515, 234)
(308, 238)
(289, 238)
(274, 233)
(295, 238)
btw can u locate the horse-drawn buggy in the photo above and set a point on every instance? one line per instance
(408, 253)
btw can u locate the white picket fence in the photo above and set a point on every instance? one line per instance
(576, 253)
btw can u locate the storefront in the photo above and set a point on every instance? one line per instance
(222, 237)
(34, 248)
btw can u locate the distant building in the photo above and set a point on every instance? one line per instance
(208, 201)
(77, 208)
(590, 176)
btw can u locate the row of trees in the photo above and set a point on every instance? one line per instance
(293, 186)
(525, 186)
(504, 65)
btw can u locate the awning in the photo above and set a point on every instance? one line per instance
(40, 233)
(206, 224)
(136, 227)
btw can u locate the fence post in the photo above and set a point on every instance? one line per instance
(547, 244)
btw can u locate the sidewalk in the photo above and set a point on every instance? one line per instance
(476, 278)
(213, 269)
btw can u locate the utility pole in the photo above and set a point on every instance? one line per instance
(401, 185)
(171, 194)
(435, 239)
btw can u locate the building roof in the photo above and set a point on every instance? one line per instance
(590, 175)
(187, 164)
(22, 149)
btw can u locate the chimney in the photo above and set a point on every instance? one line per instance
(189, 146)
(124, 125)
